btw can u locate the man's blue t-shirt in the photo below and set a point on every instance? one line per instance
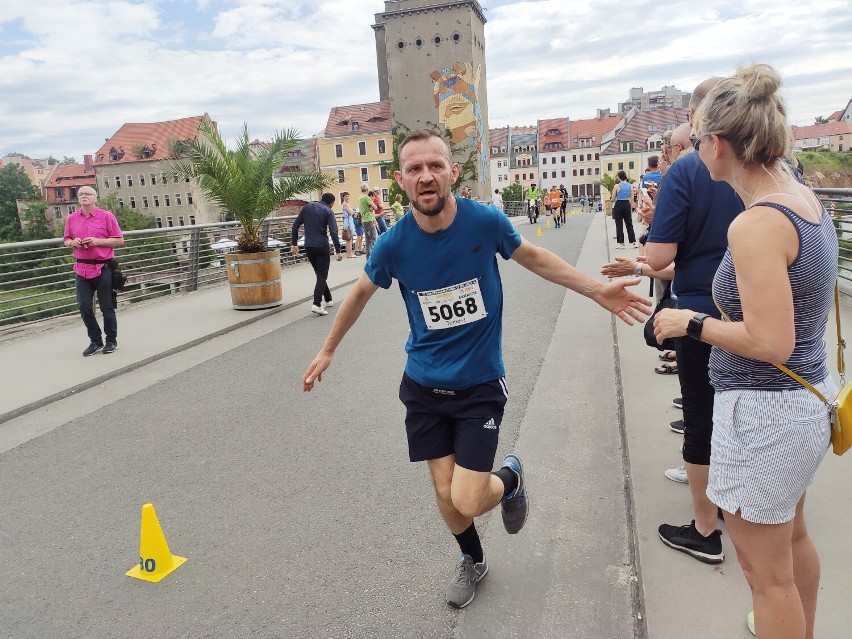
(694, 212)
(653, 176)
(451, 286)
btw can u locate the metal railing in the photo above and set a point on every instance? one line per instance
(37, 281)
(838, 202)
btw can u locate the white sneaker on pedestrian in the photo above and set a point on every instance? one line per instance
(328, 304)
(318, 310)
(635, 245)
(619, 246)
(677, 474)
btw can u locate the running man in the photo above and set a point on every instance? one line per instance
(453, 386)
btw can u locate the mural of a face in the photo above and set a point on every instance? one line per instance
(456, 94)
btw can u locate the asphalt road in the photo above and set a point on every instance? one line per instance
(299, 513)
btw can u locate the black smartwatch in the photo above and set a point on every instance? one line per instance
(693, 329)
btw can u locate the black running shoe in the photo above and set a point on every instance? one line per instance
(687, 539)
(677, 426)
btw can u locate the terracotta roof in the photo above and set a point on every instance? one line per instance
(522, 130)
(636, 129)
(834, 117)
(70, 175)
(553, 134)
(594, 128)
(373, 117)
(821, 130)
(499, 138)
(154, 135)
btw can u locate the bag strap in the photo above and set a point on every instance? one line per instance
(841, 345)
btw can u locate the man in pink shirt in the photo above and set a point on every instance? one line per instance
(93, 234)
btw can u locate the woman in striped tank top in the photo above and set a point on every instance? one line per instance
(775, 285)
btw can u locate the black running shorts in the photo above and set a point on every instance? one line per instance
(442, 422)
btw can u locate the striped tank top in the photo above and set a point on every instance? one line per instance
(812, 277)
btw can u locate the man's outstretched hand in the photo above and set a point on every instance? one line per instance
(315, 370)
(622, 302)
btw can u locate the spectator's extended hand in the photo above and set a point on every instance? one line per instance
(621, 267)
(625, 304)
(671, 322)
(294, 249)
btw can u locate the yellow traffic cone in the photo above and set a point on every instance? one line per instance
(155, 559)
(547, 224)
(538, 233)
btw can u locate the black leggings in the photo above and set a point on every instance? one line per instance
(623, 216)
(693, 370)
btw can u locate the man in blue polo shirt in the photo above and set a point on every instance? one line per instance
(690, 228)
(444, 257)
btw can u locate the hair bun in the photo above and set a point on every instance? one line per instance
(760, 81)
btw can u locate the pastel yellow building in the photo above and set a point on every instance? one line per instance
(354, 147)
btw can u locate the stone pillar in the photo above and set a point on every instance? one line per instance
(431, 64)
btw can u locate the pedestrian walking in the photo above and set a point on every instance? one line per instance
(94, 233)
(319, 222)
(347, 219)
(444, 257)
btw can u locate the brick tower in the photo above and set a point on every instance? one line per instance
(431, 63)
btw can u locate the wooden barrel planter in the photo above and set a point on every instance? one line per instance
(254, 279)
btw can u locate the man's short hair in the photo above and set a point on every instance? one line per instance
(328, 198)
(653, 161)
(364, 187)
(89, 188)
(422, 135)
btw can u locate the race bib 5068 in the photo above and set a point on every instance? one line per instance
(452, 306)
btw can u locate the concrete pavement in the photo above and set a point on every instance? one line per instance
(595, 420)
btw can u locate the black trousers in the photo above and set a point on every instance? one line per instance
(320, 260)
(623, 216)
(693, 371)
(87, 289)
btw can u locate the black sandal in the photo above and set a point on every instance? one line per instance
(668, 356)
(666, 369)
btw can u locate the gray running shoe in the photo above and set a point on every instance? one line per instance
(515, 506)
(462, 587)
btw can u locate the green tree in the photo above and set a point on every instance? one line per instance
(34, 223)
(607, 183)
(513, 193)
(14, 185)
(67, 159)
(820, 120)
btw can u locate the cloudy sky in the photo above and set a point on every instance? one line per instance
(72, 72)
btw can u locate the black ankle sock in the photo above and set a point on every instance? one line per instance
(470, 544)
(509, 479)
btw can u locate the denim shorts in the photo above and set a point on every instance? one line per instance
(442, 422)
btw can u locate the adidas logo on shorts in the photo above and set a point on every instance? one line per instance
(490, 425)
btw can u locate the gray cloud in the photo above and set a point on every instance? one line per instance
(72, 73)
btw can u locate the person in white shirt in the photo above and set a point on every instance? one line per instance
(497, 199)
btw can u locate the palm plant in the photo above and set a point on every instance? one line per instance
(240, 180)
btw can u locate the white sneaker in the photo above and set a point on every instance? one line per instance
(635, 245)
(677, 474)
(318, 310)
(328, 304)
(619, 246)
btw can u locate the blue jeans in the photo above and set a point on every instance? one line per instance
(381, 227)
(86, 291)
